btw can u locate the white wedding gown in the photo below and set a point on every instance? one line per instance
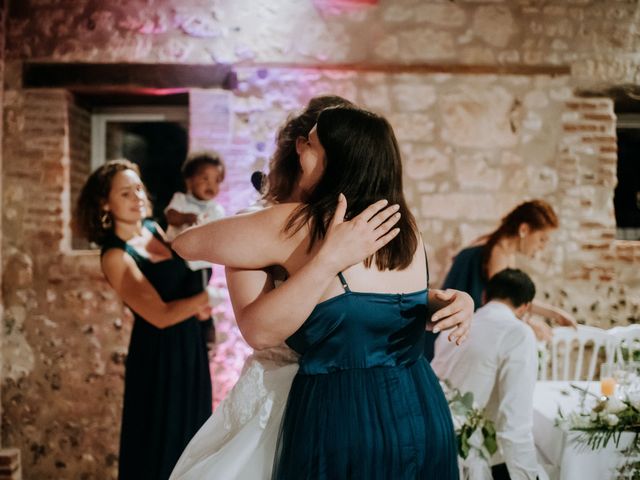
(239, 439)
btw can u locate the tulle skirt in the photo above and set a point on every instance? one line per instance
(371, 423)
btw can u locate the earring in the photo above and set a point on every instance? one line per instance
(106, 221)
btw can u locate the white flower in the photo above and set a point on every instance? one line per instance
(614, 405)
(458, 422)
(476, 440)
(611, 419)
(577, 420)
(634, 399)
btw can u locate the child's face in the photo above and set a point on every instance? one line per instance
(205, 184)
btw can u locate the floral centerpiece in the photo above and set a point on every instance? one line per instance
(606, 421)
(475, 433)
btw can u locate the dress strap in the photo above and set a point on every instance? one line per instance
(150, 225)
(345, 285)
(426, 262)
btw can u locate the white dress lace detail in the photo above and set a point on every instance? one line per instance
(239, 439)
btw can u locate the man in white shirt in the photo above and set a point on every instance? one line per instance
(499, 364)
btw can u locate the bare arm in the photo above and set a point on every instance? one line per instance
(178, 219)
(267, 317)
(135, 290)
(560, 316)
(250, 241)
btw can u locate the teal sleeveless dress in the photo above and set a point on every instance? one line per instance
(167, 384)
(365, 403)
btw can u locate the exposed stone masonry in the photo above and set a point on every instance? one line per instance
(475, 141)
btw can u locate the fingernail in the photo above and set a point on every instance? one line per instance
(436, 330)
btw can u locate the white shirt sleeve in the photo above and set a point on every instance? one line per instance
(178, 203)
(516, 381)
(214, 211)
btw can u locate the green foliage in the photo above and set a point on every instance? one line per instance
(605, 422)
(473, 429)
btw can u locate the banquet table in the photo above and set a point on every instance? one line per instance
(564, 457)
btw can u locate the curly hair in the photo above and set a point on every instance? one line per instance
(284, 167)
(93, 196)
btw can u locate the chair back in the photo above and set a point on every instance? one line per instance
(575, 347)
(625, 343)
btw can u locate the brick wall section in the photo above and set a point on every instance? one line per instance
(79, 159)
(3, 19)
(65, 331)
(602, 285)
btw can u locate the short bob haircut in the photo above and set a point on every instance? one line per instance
(94, 195)
(513, 285)
(284, 167)
(362, 162)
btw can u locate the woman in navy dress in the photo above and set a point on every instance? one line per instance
(525, 230)
(167, 393)
(365, 403)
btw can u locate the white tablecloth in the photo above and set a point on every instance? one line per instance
(567, 459)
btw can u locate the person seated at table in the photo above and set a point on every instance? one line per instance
(498, 364)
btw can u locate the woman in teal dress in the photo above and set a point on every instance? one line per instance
(365, 403)
(167, 393)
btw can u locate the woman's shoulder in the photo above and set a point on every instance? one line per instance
(112, 242)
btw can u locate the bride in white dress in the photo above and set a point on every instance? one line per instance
(239, 439)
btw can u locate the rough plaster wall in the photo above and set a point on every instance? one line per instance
(474, 145)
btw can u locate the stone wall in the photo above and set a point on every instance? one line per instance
(481, 95)
(597, 38)
(64, 343)
(3, 18)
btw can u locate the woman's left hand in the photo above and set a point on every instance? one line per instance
(457, 313)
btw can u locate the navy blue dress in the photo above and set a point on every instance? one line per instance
(365, 403)
(167, 384)
(465, 275)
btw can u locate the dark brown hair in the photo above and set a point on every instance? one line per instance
(197, 160)
(363, 162)
(538, 214)
(93, 196)
(511, 284)
(284, 167)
